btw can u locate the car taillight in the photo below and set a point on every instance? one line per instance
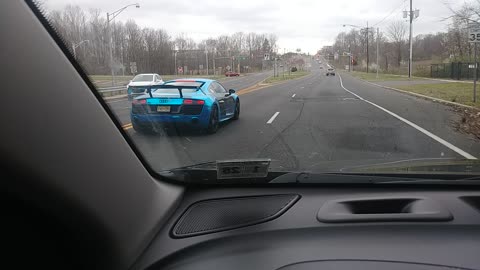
(139, 101)
(192, 102)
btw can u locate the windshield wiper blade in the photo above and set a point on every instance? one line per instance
(467, 180)
(327, 178)
(362, 178)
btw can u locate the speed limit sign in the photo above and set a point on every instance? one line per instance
(473, 32)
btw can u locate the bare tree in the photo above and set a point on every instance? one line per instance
(397, 31)
(151, 49)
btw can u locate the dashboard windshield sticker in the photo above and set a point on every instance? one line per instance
(240, 168)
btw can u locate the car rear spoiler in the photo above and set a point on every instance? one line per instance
(178, 87)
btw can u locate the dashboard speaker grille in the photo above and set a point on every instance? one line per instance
(230, 213)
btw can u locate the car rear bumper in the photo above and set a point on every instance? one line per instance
(200, 120)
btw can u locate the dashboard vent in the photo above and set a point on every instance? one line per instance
(226, 214)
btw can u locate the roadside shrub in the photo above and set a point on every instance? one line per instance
(422, 71)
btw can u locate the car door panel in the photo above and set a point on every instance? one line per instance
(229, 101)
(219, 93)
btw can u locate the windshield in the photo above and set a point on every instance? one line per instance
(143, 78)
(258, 87)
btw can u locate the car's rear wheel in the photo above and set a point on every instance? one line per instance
(236, 115)
(213, 121)
(142, 128)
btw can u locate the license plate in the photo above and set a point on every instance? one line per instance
(163, 108)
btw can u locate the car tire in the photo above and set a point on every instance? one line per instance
(213, 121)
(236, 115)
(142, 129)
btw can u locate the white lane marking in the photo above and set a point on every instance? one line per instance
(417, 127)
(294, 95)
(273, 118)
(186, 138)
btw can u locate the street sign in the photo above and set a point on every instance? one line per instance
(473, 32)
(228, 67)
(266, 57)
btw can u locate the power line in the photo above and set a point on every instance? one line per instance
(390, 14)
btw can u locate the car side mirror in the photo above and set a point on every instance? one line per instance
(231, 91)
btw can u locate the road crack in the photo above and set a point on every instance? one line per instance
(278, 144)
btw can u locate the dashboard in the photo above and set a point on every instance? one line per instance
(320, 228)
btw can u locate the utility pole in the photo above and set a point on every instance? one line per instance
(367, 48)
(206, 59)
(350, 54)
(110, 17)
(74, 52)
(411, 41)
(476, 76)
(214, 54)
(378, 37)
(75, 46)
(110, 49)
(275, 67)
(175, 57)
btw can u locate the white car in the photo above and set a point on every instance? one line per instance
(138, 85)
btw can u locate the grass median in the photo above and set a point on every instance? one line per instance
(455, 92)
(285, 76)
(372, 77)
(458, 92)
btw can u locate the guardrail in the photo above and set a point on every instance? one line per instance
(113, 91)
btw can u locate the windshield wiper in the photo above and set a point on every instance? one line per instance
(207, 173)
(466, 180)
(362, 178)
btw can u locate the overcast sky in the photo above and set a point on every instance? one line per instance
(305, 24)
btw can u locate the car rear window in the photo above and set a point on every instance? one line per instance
(143, 78)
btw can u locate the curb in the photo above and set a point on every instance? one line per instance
(451, 103)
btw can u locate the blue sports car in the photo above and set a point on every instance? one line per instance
(201, 103)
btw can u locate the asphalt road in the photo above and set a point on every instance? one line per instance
(316, 123)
